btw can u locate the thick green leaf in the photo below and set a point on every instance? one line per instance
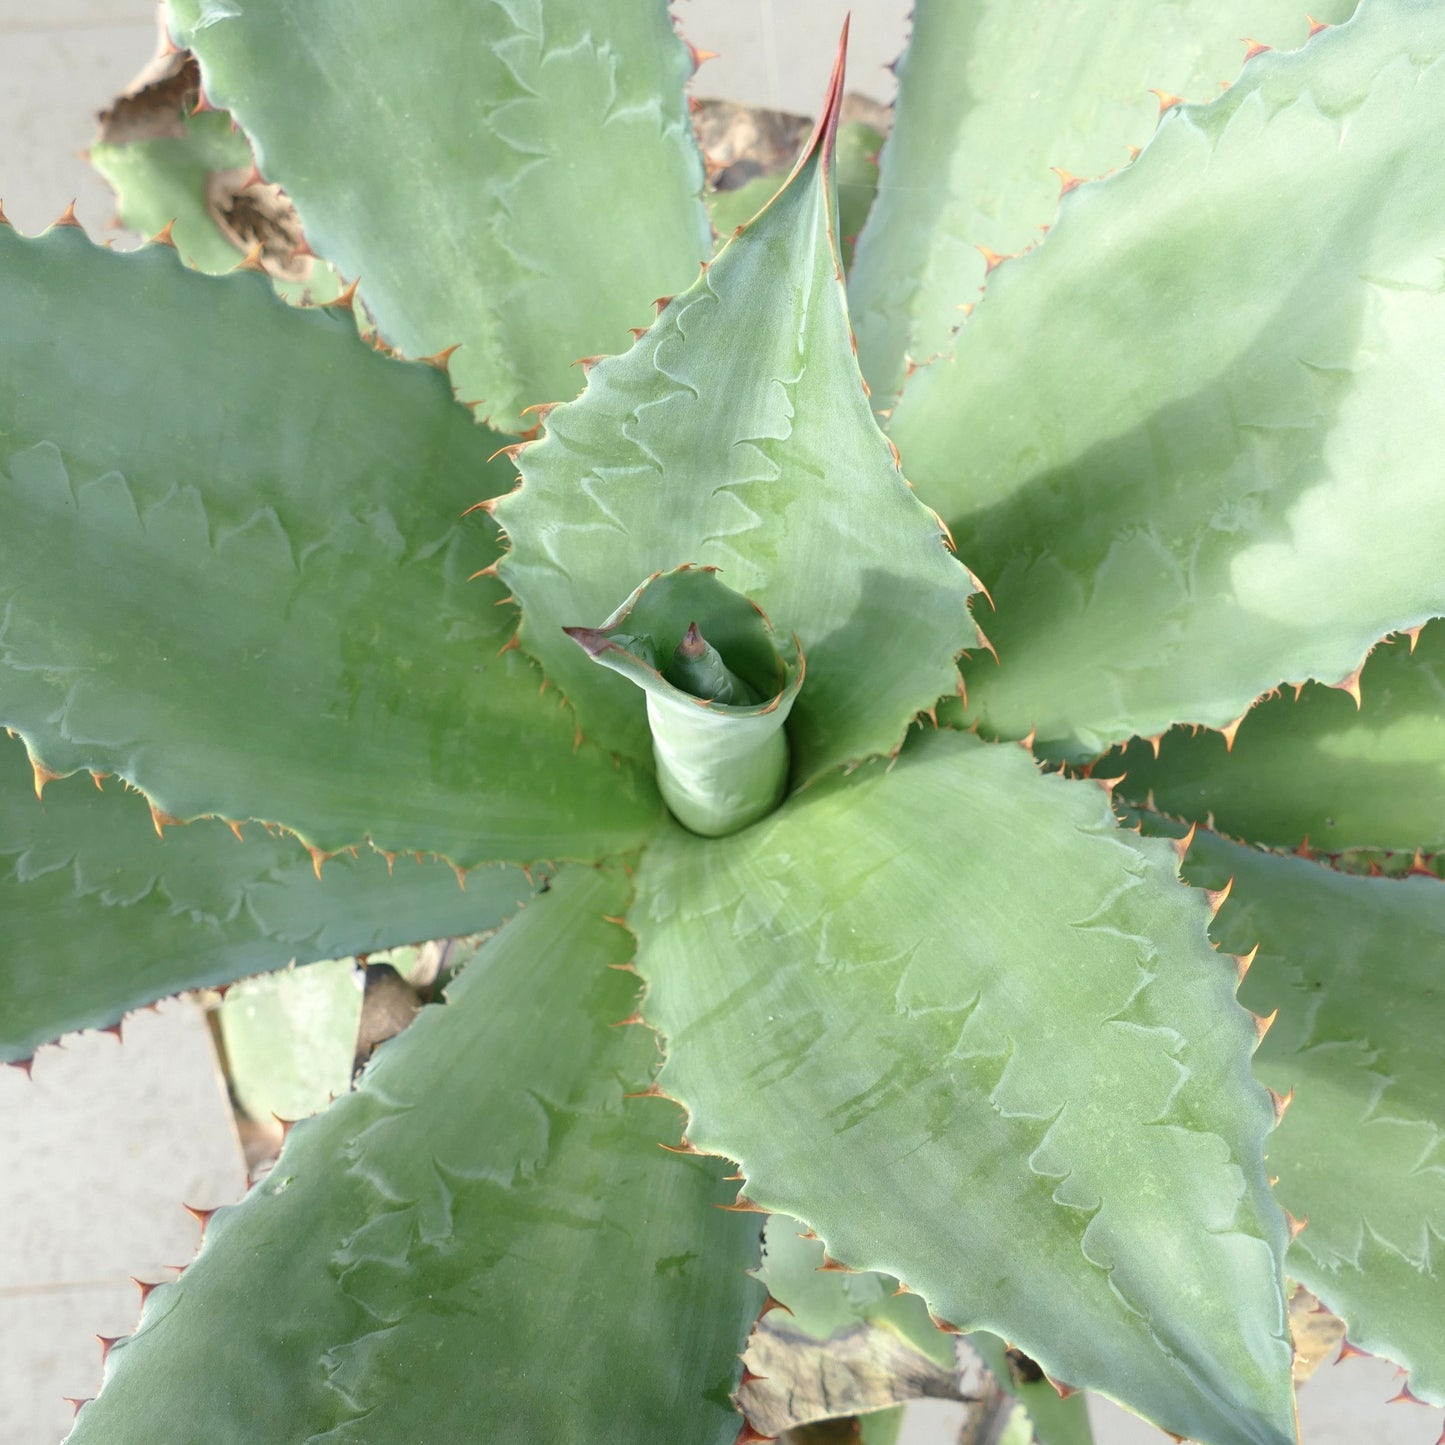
(517, 178)
(234, 573)
(102, 916)
(195, 182)
(736, 434)
(961, 988)
(484, 1242)
(1317, 768)
(992, 95)
(857, 154)
(1355, 968)
(1191, 443)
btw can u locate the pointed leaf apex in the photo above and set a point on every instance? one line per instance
(825, 129)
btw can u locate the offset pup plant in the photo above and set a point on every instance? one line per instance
(939, 997)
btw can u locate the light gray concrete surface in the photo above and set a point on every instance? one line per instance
(99, 1152)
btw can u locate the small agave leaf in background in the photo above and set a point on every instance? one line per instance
(1318, 768)
(238, 572)
(719, 684)
(736, 434)
(290, 1038)
(171, 167)
(957, 990)
(992, 97)
(844, 1330)
(1354, 966)
(1191, 466)
(498, 1251)
(102, 916)
(529, 185)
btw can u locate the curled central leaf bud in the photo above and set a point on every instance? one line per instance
(697, 667)
(719, 684)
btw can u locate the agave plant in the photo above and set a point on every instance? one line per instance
(702, 718)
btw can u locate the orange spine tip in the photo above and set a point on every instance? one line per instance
(748, 1436)
(1252, 47)
(77, 1402)
(107, 1344)
(1316, 25)
(252, 260)
(1351, 685)
(943, 1325)
(1181, 845)
(1216, 897)
(1413, 633)
(1167, 101)
(1062, 1390)
(632, 1018)
(161, 821)
(441, 359)
(991, 259)
(1263, 1023)
(1406, 1397)
(1243, 962)
(1067, 181)
(1229, 731)
(743, 1205)
(43, 775)
(661, 303)
(318, 857)
(683, 1148)
(1296, 1226)
(201, 1216)
(1281, 1104)
(512, 644)
(588, 362)
(1350, 1352)
(4, 219)
(345, 300)
(67, 218)
(163, 237)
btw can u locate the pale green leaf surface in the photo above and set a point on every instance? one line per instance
(1191, 443)
(517, 178)
(961, 988)
(290, 1038)
(102, 916)
(233, 571)
(188, 182)
(1355, 967)
(484, 1242)
(992, 95)
(736, 434)
(1317, 768)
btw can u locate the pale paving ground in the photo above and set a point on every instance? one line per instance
(99, 1152)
